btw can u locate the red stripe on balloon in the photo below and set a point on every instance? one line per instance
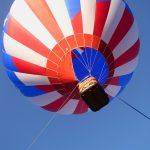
(43, 12)
(81, 107)
(88, 40)
(96, 42)
(122, 29)
(57, 105)
(20, 34)
(128, 55)
(114, 81)
(50, 88)
(107, 53)
(46, 88)
(26, 67)
(77, 23)
(102, 9)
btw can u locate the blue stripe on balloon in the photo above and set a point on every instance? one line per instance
(8, 62)
(29, 91)
(14, 78)
(123, 80)
(73, 7)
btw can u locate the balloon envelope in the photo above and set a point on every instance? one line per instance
(50, 46)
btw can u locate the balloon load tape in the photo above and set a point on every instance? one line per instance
(93, 94)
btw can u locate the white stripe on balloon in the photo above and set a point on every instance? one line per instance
(45, 99)
(126, 68)
(60, 12)
(20, 51)
(88, 15)
(26, 17)
(32, 80)
(115, 14)
(112, 90)
(69, 107)
(127, 42)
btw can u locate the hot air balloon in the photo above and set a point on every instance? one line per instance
(70, 56)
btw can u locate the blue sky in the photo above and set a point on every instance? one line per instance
(116, 127)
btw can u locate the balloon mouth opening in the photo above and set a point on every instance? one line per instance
(93, 94)
(88, 62)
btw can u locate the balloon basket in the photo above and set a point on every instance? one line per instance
(93, 94)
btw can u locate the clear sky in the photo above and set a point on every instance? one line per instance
(116, 127)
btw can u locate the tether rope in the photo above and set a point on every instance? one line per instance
(49, 122)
